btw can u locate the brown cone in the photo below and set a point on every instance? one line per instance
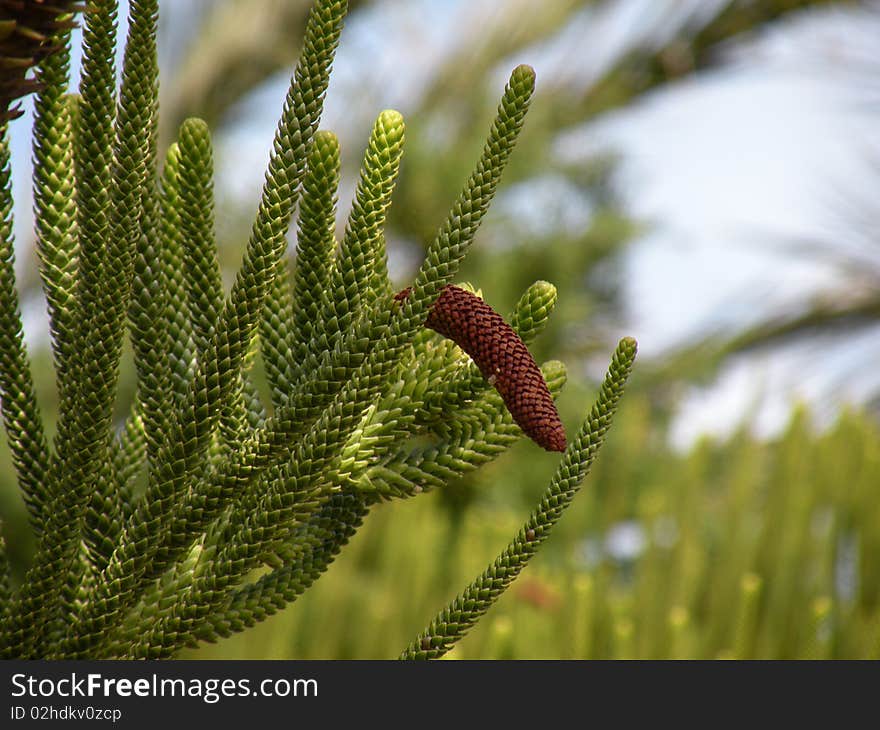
(504, 360)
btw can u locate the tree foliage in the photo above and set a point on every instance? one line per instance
(209, 509)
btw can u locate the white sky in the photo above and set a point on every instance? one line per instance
(735, 170)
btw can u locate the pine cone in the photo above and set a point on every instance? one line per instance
(504, 360)
(27, 35)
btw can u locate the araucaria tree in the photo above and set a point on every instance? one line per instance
(209, 509)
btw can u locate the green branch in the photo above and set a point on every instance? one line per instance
(453, 622)
(202, 511)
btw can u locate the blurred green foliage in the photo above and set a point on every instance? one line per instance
(737, 549)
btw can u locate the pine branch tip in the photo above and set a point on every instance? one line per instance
(192, 125)
(629, 344)
(391, 122)
(524, 74)
(325, 138)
